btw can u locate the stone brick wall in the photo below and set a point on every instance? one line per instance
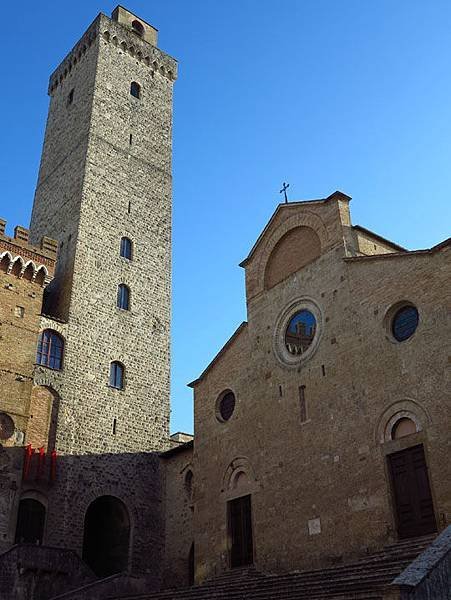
(319, 482)
(36, 573)
(178, 509)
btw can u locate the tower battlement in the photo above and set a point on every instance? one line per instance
(118, 30)
(18, 256)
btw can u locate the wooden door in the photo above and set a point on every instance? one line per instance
(240, 532)
(412, 493)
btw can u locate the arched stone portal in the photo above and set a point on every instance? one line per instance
(106, 536)
(30, 522)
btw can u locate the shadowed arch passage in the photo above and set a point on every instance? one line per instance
(106, 536)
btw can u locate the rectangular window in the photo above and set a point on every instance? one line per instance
(19, 311)
(240, 531)
(302, 404)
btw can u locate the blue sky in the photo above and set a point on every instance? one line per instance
(324, 94)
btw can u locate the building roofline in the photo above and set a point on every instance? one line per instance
(232, 338)
(405, 253)
(176, 449)
(337, 195)
(380, 238)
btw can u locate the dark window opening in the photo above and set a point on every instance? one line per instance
(123, 297)
(405, 323)
(30, 522)
(126, 245)
(135, 89)
(226, 406)
(70, 97)
(130, 141)
(189, 484)
(240, 532)
(280, 391)
(50, 350)
(129, 208)
(191, 566)
(106, 536)
(323, 370)
(117, 375)
(114, 426)
(302, 404)
(138, 27)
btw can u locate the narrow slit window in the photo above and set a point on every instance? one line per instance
(302, 404)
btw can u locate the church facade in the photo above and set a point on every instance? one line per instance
(321, 427)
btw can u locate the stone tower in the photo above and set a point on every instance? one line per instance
(105, 174)
(104, 193)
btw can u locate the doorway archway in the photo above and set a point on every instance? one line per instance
(106, 536)
(30, 522)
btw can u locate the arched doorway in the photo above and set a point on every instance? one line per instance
(30, 522)
(106, 536)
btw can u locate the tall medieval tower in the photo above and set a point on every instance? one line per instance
(104, 193)
(106, 175)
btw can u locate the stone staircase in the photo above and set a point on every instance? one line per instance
(361, 580)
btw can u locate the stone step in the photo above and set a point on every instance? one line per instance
(364, 579)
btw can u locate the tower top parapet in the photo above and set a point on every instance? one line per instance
(130, 34)
(144, 30)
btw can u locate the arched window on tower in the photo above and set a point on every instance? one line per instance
(126, 248)
(135, 89)
(117, 375)
(123, 297)
(138, 27)
(50, 350)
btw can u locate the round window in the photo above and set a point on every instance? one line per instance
(404, 323)
(300, 332)
(226, 406)
(6, 426)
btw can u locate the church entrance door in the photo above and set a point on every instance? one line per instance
(240, 532)
(412, 493)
